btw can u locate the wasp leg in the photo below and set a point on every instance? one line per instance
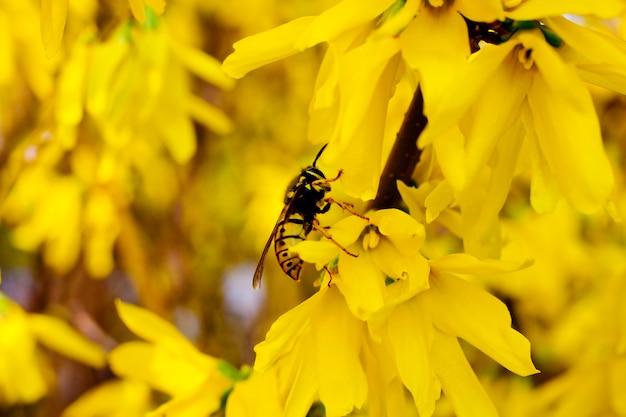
(327, 180)
(346, 206)
(327, 235)
(330, 276)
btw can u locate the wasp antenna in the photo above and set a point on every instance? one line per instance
(319, 154)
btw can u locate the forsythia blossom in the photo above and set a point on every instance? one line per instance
(390, 312)
(25, 373)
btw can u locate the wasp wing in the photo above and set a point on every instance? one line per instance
(258, 273)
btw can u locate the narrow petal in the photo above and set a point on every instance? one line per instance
(256, 396)
(316, 252)
(617, 382)
(361, 283)
(264, 48)
(410, 335)
(153, 328)
(284, 334)
(599, 57)
(461, 93)
(461, 309)
(337, 347)
(397, 224)
(209, 115)
(544, 189)
(495, 113)
(440, 198)
(344, 16)
(204, 402)
(481, 11)
(574, 150)
(482, 234)
(436, 44)
(461, 263)
(537, 9)
(157, 5)
(368, 75)
(62, 338)
(302, 384)
(134, 398)
(53, 15)
(138, 10)
(458, 381)
(203, 65)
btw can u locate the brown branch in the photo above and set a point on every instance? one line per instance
(404, 155)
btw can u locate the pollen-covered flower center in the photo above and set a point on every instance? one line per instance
(371, 237)
(525, 57)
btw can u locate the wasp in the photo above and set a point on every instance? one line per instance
(305, 198)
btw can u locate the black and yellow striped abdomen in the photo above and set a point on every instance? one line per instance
(291, 231)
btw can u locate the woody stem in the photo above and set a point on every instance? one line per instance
(404, 155)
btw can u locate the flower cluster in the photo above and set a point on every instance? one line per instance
(464, 208)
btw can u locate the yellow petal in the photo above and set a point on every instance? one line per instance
(337, 346)
(461, 309)
(537, 9)
(53, 15)
(599, 57)
(436, 44)
(256, 396)
(157, 5)
(445, 111)
(458, 381)
(209, 115)
(461, 263)
(284, 334)
(203, 65)
(495, 114)
(303, 392)
(203, 402)
(265, 47)
(24, 376)
(71, 87)
(481, 11)
(617, 380)
(440, 198)
(138, 9)
(411, 351)
(395, 223)
(170, 371)
(361, 283)
(179, 136)
(132, 399)
(344, 16)
(482, 234)
(62, 338)
(153, 328)
(583, 171)
(387, 258)
(357, 144)
(316, 252)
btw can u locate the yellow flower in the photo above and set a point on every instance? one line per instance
(411, 343)
(389, 250)
(25, 374)
(307, 346)
(351, 106)
(478, 151)
(168, 362)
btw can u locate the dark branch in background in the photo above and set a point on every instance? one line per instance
(404, 155)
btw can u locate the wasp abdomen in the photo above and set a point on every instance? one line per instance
(291, 231)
